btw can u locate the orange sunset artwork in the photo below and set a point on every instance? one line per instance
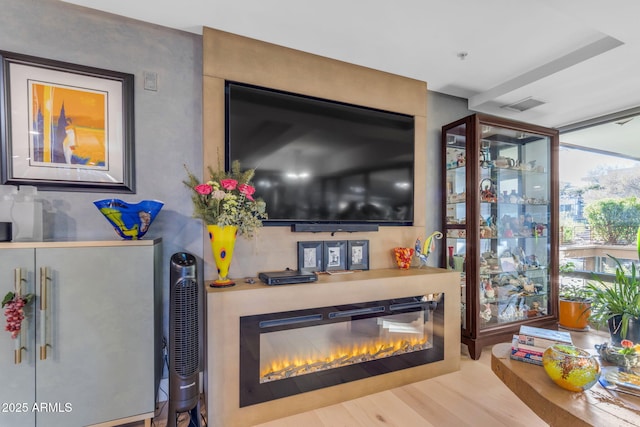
(68, 126)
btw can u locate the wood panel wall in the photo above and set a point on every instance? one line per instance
(231, 57)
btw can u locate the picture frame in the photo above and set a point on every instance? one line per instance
(358, 255)
(64, 126)
(335, 255)
(310, 256)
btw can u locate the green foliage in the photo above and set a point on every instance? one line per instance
(614, 221)
(620, 298)
(10, 296)
(7, 298)
(573, 290)
(567, 267)
(567, 228)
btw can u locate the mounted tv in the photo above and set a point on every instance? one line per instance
(319, 161)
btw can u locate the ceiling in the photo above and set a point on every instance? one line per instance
(579, 57)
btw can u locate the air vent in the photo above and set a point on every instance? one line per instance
(524, 105)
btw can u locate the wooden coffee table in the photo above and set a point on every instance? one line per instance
(595, 407)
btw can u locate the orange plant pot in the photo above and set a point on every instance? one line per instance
(574, 314)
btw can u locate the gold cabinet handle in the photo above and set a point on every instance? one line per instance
(44, 277)
(17, 351)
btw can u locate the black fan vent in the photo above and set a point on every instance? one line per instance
(186, 327)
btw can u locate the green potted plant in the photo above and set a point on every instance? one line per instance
(618, 304)
(574, 307)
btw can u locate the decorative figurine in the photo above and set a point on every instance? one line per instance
(423, 251)
(489, 292)
(486, 313)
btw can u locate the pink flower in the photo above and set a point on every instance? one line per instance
(203, 189)
(247, 190)
(229, 184)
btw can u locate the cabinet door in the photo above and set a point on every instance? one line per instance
(17, 380)
(456, 154)
(100, 328)
(514, 274)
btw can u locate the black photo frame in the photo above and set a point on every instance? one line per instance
(335, 255)
(310, 256)
(358, 255)
(65, 127)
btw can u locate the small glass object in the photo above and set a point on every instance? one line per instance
(570, 367)
(130, 220)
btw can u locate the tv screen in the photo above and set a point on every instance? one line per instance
(319, 161)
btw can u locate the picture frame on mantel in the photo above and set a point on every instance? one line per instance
(358, 255)
(64, 126)
(310, 256)
(335, 255)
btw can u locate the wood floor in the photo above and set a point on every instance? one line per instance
(473, 396)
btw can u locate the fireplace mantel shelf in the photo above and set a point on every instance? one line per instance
(329, 279)
(225, 307)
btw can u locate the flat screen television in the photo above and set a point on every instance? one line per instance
(319, 161)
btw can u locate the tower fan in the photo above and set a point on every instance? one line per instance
(184, 340)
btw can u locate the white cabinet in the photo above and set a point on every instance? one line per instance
(97, 312)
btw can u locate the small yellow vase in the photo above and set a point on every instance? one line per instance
(223, 241)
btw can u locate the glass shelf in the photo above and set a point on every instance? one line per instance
(498, 212)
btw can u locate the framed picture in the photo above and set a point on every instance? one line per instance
(335, 255)
(358, 255)
(310, 256)
(65, 126)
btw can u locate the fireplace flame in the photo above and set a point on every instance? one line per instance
(291, 366)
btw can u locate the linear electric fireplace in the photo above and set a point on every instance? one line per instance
(274, 351)
(286, 353)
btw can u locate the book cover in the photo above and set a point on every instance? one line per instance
(527, 358)
(540, 343)
(522, 355)
(528, 344)
(549, 334)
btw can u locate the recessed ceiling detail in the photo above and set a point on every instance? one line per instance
(584, 53)
(524, 105)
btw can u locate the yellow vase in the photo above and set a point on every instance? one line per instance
(223, 240)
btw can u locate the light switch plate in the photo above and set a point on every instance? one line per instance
(151, 81)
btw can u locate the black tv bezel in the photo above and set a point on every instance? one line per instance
(319, 225)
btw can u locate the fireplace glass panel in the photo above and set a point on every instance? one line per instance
(286, 353)
(300, 351)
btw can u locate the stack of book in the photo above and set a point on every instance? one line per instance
(531, 342)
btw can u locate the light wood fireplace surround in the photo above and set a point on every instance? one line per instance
(230, 57)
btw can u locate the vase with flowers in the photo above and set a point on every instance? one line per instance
(225, 202)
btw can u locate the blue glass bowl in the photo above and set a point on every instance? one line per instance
(130, 220)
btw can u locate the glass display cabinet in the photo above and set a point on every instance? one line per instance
(501, 225)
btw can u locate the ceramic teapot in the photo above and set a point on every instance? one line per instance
(504, 162)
